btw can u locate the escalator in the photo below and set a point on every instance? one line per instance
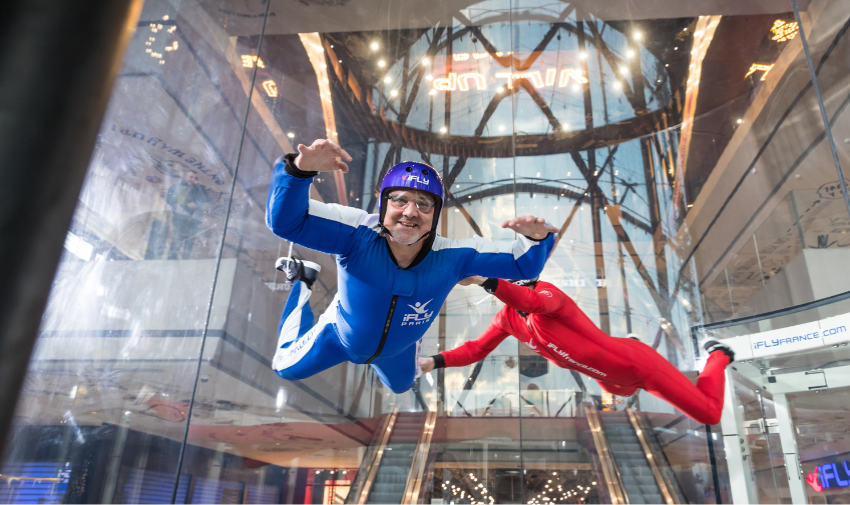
(637, 476)
(393, 469)
(629, 459)
(391, 476)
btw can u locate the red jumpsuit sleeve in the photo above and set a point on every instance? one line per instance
(475, 350)
(540, 301)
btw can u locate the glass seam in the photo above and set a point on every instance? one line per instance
(821, 106)
(189, 409)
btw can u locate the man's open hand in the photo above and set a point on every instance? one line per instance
(530, 226)
(323, 156)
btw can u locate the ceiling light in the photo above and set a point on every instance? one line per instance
(443, 129)
(290, 135)
(637, 35)
(374, 46)
(425, 61)
(387, 79)
(393, 93)
(582, 55)
(740, 121)
(630, 53)
(432, 92)
(381, 63)
(617, 85)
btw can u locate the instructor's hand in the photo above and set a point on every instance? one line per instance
(322, 156)
(475, 279)
(426, 364)
(529, 226)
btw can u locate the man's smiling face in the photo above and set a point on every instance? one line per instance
(408, 223)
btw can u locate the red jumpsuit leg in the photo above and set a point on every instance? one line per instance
(702, 403)
(616, 389)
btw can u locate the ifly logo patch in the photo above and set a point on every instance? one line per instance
(415, 178)
(420, 314)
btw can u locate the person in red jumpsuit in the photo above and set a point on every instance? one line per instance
(549, 322)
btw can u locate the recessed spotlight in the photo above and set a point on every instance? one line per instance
(740, 121)
(432, 92)
(443, 129)
(393, 93)
(290, 135)
(426, 61)
(388, 79)
(381, 63)
(374, 46)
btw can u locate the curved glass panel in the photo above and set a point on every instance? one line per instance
(109, 390)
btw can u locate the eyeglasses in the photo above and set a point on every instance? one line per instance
(400, 201)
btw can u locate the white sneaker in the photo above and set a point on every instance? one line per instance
(299, 270)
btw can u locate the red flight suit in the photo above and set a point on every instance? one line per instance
(557, 329)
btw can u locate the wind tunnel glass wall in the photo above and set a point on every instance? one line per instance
(677, 146)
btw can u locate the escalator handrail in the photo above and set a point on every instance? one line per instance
(370, 471)
(413, 486)
(654, 458)
(613, 479)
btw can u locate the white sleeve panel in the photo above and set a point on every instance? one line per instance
(482, 245)
(341, 214)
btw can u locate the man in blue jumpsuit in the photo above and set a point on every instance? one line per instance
(394, 271)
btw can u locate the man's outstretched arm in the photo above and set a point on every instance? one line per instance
(523, 258)
(290, 213)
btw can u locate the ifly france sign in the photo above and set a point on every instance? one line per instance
(802, 337)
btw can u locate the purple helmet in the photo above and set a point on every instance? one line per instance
(412, 175)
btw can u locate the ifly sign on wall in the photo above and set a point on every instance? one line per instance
(828, 476)
(802, 337)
